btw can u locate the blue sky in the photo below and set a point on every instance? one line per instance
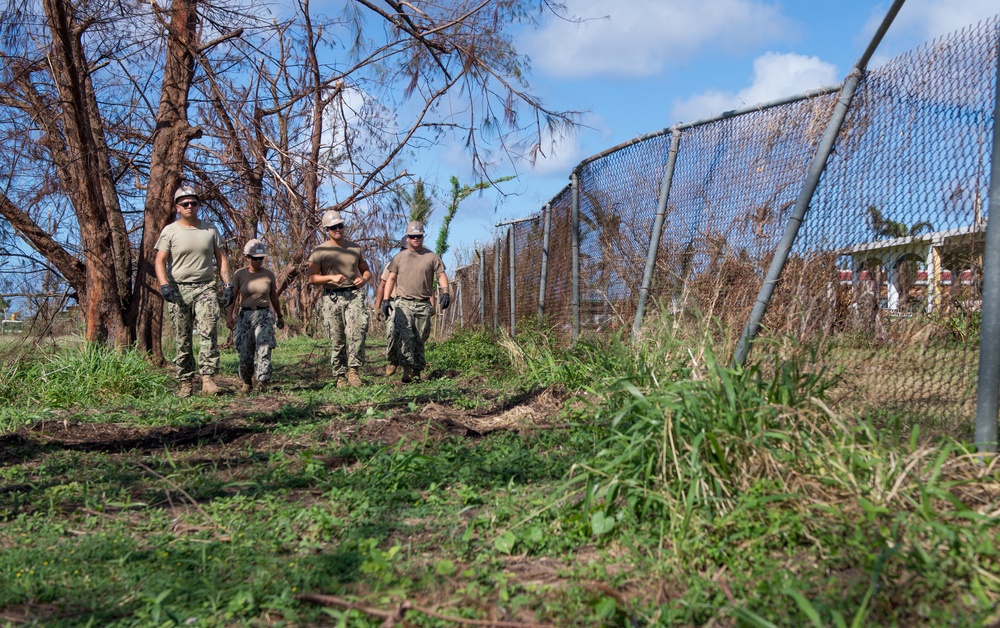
(637, 66)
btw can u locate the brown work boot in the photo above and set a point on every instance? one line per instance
(246, 388)
(208, 385)
(341, 381)
(407, 375)
(390, 369)
(353, 379)
(185, 389)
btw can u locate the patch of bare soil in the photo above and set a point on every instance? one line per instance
(246, 424)
(29, 613)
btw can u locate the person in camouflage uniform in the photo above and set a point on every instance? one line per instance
(187, 253)
(392, 326)
(252, 317)
(339, 266)
(412, 273)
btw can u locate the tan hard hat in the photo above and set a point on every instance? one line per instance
(415, 228)
(254, 248)
(183, 191)
(332, 218)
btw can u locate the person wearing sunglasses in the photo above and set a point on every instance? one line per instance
(251, 317)
(188, 255)
(411, 274)
(339, 266)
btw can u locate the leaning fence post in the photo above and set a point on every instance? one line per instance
(547, 224)
(456, 306)
(575, 240)
(481, 276)
(809, 187)
(657, 231)
(988, 384)
(513, 274)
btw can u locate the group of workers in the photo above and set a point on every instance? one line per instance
(189, 252)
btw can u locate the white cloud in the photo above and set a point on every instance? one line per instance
(640, 37)
(920, 21)
(775, 75)
(928, 19)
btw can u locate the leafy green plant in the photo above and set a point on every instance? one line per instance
(963, 327)
(470, 352)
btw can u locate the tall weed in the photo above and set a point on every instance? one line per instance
(691, 435)
(90, 375)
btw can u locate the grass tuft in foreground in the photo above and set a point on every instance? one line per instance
(760, 496)
(92, 375)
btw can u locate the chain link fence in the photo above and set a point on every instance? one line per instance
(883, 283)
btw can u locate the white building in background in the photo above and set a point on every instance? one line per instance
(941, 257)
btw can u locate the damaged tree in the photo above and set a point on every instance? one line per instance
(278, 133)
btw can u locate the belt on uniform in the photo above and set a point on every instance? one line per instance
(338, 290)
(427, 300)
(254, 309)
(192, 283)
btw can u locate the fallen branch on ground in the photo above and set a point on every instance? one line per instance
(391, 617)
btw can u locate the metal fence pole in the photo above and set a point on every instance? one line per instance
(482, 285)
(496, 284)
(656, 232)
(575, 240)
(511, 263)
(816, 168)
(456, 308)
(547, 225)
(988, 384)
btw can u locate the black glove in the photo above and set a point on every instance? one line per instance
(170, 293)
(280, 323)
(445, 301)
(227, 295)
(385, 309)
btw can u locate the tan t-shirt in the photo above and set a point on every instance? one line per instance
(339, 260)
(415, 272)
(254, 288)
(192, 251)
(395, 288)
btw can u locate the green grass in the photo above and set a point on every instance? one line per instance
(92, 375)
(667, 489)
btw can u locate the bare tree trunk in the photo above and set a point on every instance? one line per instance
(170, 141)
(102, 228)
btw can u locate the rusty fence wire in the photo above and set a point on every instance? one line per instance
(883, 284)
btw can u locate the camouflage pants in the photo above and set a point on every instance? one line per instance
(414, 323)
(254, 341)
(346, 320)
(198, 311)
(392, 327)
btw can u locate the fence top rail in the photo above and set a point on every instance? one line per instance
(519, 220)
(681, 126)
